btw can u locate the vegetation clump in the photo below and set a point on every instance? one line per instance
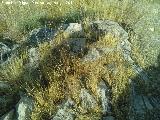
(60, 74)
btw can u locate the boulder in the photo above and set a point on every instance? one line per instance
(7, 46)
(95, 53)
(41, 35)
(24, 108)
(104, 96)
(104, 27)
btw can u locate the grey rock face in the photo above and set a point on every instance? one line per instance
(77, 45)
(74, 30)
(92, 55)
(104, 95)
(96, 53)
(103, 28)
(24, 108)
(41, 35)
(87, 100)
(33, 54)
(65, 112)
(4, 52)
(7, 47)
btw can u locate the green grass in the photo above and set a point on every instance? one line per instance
(61, 70)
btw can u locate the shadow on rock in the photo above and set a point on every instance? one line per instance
(141, 98)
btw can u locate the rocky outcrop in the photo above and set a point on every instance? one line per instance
(140, 104)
